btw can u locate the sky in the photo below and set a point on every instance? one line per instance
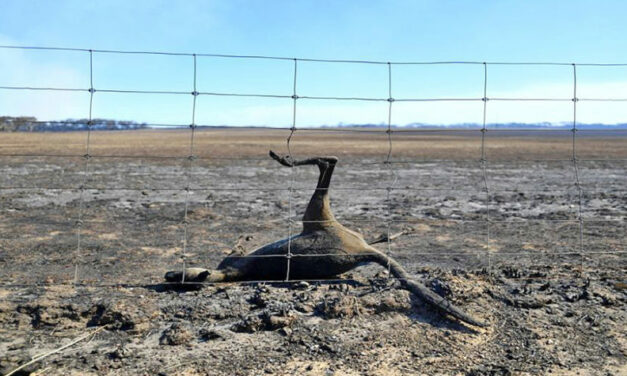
(397, 31)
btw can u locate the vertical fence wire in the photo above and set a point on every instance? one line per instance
(85, 178)
(391, 170)
(190, 171)
(576, 168)
(484, 163)
(288, 256)
(86, 157)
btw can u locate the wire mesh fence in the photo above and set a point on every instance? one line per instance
(488, 225)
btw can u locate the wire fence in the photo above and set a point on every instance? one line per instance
(189, 161)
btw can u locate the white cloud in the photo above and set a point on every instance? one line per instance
(33, 69)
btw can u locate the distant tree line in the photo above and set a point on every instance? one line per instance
(31, 124)
(511, 125)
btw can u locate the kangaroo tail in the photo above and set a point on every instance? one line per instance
(422, 291)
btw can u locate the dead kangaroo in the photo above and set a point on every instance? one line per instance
(324, 249)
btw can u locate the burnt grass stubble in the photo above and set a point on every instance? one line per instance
(546, 315)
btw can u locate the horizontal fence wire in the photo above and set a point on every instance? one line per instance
(166, 53)
(482, 163)
(278, 282)
(350, 162)
(304, 189)
(443, 255)
(307, 97)
(416, 221)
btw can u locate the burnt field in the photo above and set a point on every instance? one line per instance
(547, 271)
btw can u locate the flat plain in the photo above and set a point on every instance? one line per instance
(526, 238)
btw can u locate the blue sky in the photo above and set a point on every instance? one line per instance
(562, 31)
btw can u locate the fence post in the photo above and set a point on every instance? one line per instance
(576, 168)
(484, 163)
(86, 157)
(389, 165)
(288, 256)
(190, 170)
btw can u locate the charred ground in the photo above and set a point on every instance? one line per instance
(551, 308)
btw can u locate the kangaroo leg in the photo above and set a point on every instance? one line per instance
(195, 275)
(318, 213)
(287, 161)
